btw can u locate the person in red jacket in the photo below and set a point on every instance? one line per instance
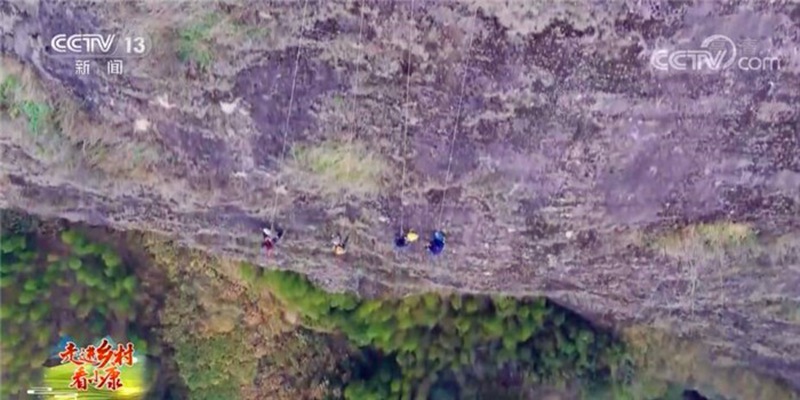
(270, 239)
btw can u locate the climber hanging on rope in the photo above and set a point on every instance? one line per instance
(270, 239)
(436, 245)
(339, 244)
(404, 239)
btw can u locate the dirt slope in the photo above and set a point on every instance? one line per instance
(541, 138)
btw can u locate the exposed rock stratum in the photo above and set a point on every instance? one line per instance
(557, 158)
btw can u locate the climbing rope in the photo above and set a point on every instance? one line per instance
(353, 94)
(455, 125)
(288, 117)
(405, 124)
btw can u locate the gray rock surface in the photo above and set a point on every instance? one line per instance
(540, 137)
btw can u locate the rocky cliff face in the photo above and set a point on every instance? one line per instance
(542, 139)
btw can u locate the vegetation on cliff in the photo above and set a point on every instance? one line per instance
(447, 344)
(219, 329)
(232, 343)
(56, 285)
(207, 339)
(569, 148)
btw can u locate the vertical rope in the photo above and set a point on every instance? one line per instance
(455, 125)
(405, 123)
(353, 94)
(288, 117)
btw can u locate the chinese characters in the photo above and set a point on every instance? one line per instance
(113, 67)
(82, 67)
(104, 362)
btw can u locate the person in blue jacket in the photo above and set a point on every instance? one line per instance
(436, 245)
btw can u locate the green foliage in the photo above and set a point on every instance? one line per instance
(111, 259)
(134, 381)
(375, 378)
(36, 113)
(7, 88)
(75, 263)
(212, 365)
(429, 335)
(641, 388)
(215, 367)
(195, 42)
(247, 273)
(129, 283)
(13, 244)
(15, 223)
(42, 277)
(332, 167)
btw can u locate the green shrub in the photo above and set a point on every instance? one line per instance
(7, 89)
(215, 367)
(431, 334)
(195, 42)
(44, 277)
(36, 113)
(15, 223)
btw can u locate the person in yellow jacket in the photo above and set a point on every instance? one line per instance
(340, 245)
(406, 238)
